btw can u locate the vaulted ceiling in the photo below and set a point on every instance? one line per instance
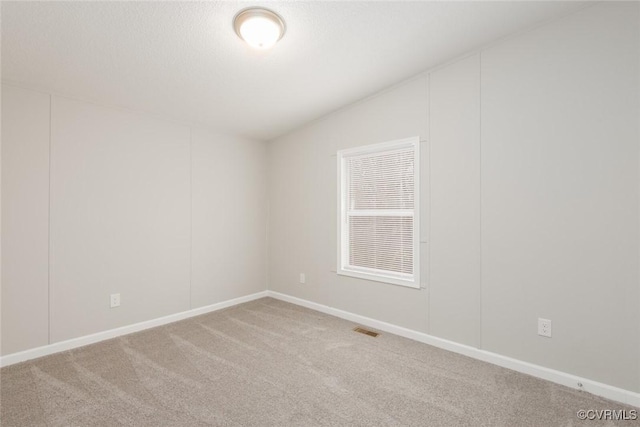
(182, 60)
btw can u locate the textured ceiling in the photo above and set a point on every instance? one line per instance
(182, 60)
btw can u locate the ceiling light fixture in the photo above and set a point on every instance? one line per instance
(260, 28)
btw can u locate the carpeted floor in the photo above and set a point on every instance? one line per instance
(270, 363)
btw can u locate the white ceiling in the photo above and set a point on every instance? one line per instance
(182, 60)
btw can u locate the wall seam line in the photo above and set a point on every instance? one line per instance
(190, 217)
(49, 229)
(267, 202)
(429, 143)
(480, 196)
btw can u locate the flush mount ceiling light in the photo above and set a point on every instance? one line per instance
(260, 28)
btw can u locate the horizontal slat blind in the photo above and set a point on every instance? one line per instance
(381, 243)
(381, 180)
(380, 203)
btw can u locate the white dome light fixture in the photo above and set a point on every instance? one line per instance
(260, 28)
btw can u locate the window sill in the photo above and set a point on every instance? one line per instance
(409, 283)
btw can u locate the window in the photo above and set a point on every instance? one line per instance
(378, 216)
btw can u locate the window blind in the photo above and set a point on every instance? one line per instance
(381, 180)
(378, 235)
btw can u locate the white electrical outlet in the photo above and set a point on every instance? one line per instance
(115, 300)
(544, 327)
(303, 278)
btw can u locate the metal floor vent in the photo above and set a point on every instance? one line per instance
(366, 331)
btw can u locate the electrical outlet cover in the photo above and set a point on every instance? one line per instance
(115, 300)
(544, 327)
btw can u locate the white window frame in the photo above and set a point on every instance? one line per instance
(343, 267)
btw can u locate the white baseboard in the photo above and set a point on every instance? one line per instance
(57, 347)
(558, 377)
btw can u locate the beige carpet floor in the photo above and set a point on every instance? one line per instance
(269, 363)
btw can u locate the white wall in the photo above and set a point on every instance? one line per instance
(25, 219)
(532, 192)
(454, 284)
(302, 206)
(560, 235)
(119, 218)
(138, 206)
(229, 217)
